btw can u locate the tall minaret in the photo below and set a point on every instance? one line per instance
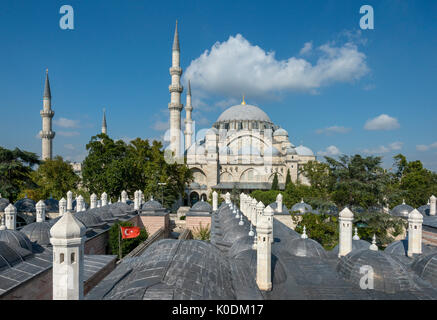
(175, 106)
(47, 114)
(188, 121)
(104, 127)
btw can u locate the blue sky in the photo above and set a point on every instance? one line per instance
(331, 85)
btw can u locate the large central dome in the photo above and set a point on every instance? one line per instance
(241, 112)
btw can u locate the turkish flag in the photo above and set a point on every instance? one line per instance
(130, 232)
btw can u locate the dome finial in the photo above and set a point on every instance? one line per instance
(356, 237)
(304, 234)
(3, 226)
(243, 102)
(373, 246)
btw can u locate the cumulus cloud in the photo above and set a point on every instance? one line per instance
(385, 149)
(424, 147)
(236, 67)
(382, 122)
(68, 133)
(307, 47)
(161, 125)
(66, 123)
(330, 151)
(332, 130)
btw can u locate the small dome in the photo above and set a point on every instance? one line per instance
(390, 276)
(52, 205)
(89, 218)
(201, 206)
(274, 206)
(240, 245)
(426, 267)
(356, 245)
(11, 255)
(16, 238)
(235, 232)
(304, 151)
(400, 248)
(424, 210)
(25, 205)
(68, 227)
(38, 232)
(401, 210)
(305, 248)
(301, 207)
(243, 112)
(103, 213)
(280, 132)
(151, 205)
(291, 151)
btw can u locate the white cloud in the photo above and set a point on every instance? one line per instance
(332, 130)
(68, 133)
(330, 151)
(423, 147)
(382, 122)
(307, 47)
(236, 67)
(161, 125)
(66, 123)
(383, 149)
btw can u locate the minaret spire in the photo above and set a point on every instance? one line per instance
(175, 106)
(188, 121)
(47, 114)
(104, 127)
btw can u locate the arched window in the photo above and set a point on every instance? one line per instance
(250, 175)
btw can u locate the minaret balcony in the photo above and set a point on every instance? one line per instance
(175, 88)
(47, 134)
(175, 106)
(176, 71)
(47, 113)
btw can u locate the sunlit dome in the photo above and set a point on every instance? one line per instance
(304, 151)
(242, 112)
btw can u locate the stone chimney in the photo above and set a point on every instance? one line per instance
(264, 250)
(40, 211)
(69, 201)
(415, 220)
(124, 196)
(62, 206)
(11, 217)
(214, 201)
(279, 203)
(104, 199)
(432, 205)
(259, 212)
(346, 218)
(227, 198)
(93, 201)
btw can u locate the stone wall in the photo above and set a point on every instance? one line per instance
(152, 223)
(98, 244)
(192, 222)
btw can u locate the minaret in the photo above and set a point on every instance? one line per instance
(175, 106)
(415, 220)
(47, 114)
(188, 121)
(104, 127)
(345, 220)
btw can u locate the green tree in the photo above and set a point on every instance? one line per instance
(127, 245)
(320, 177)
(320, 227)
(54, 178)
(15, 171)
(275, 183)
(287, 178)
(266, 197)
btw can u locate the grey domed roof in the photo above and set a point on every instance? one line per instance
(235, 232)
(356, 245)
(201, 206)
(38, 232)
(280, 132)
(16, 238)
(274, 206)
(301, 207)
(151, 205)
(424, 210)
(3, 204)
(11, 255)
(103, 212)
(304, 151)
(390, 276)
(25, 205)
(400, 248)
(426, 267)
(240, 245)
(305, 248)
(291, 151)
(401, 210)
(52, 205)
(89, 218)
(243, 112)
(271, 151)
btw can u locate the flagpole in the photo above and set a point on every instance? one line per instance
(119, 243)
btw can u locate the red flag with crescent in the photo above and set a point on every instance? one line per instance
(130, 232)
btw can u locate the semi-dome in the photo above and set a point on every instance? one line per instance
(240, 245)
(89, 218)
(425, 267)
(15, 238)
(38, 232)
(242, 112)
(424, 210)
(291, 151)
(280, 132)
(3, 204)
(390, 276)
(401, 210)
(301, 207)
(25, 205)
(11, 255)
(304, 151)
